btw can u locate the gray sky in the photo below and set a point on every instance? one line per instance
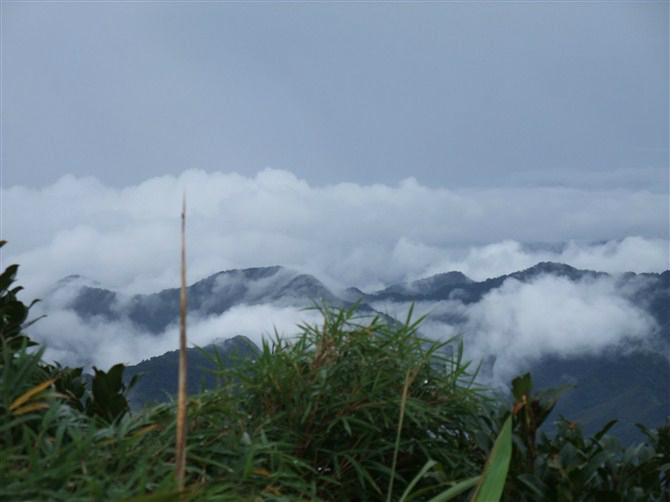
(454, 94)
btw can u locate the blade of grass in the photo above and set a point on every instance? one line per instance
(491, 486)
(403, 403)
(416, 479)
(457, 489)
(27, 395)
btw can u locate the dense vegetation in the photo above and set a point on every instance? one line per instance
(348, 410)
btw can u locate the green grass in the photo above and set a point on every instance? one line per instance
(348, 410)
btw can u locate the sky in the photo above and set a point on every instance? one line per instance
(455, 94)
(366, 143)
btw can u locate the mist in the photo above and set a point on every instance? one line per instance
(520, 323)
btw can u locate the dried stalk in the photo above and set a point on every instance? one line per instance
(180, 460)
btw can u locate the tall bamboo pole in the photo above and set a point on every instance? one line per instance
(180, 460)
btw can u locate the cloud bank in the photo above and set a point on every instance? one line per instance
(74, 341)
(521, 322)
(346, 233)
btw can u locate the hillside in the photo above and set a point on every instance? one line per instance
(158, 380)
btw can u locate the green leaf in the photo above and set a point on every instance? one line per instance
(491, 485)
(7, 277)
(598, 436)
(416, 479)
(456, 490)
(521, 386)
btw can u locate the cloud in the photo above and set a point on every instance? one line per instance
(510, 327)
(519, 323)
(74, 341)
(346, 233)
(630, 254)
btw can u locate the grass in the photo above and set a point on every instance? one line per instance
(348, 410)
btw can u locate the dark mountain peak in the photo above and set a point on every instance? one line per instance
(446, 279)
(258, 273)
(551, 267)
(428, 285)
(88, 300)
(353, 294)
(249, 274)
(354, 290)
(555, 269)
(237, 341)
(304, 286)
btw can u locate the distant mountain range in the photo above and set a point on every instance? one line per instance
(634, 387)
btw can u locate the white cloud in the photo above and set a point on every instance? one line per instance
(349, 234)
(520, 323)
(73, 341)
(630, 254)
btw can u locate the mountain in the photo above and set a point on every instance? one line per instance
(455, 285)
(429, 286)
(212, 295)
(633, 388)
(634, 385)
(159, 374)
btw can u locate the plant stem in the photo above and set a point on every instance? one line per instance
(180, 460)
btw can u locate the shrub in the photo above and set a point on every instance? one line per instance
(331, 401)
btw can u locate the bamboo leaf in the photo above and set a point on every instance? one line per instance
(39, 405)
(417, 478)
(455, 490)
(27, 395)
(493, 479)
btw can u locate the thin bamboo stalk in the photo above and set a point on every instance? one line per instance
(180, 460)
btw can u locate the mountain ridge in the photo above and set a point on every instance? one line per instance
(644, 373)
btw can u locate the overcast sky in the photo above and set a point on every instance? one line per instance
(454, 94)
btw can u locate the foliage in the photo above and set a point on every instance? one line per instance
(494, 476)
(107, 399)
(13, 313)
(340, 399)
(108, 394)
(570, 467)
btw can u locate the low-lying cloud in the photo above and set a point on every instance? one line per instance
(519, 323)
(347, 234)
(509, 329)
(74, 341)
